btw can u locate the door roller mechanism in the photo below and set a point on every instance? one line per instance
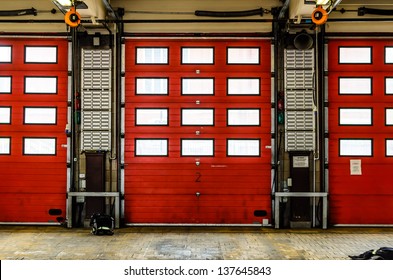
(72, 18)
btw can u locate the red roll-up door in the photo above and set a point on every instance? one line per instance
(33, 95)
(197, 131)
(360, 131)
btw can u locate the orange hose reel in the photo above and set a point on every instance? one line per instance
(72, 18)
(319, 16)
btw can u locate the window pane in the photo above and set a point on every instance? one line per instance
(243, 147)
(5, 144)
(5, 54)
(355, 55)
(5, 84)
(355, 116)
(355, 147)
(151, 117)
(40, 116)
(249, 86)
(243, 117)
(389, 85)
(389, 147)
(355, 85)
(196, 147)
(197, 56)
(41, 85)
(152, 55)
(197, 116)
(243, 55)
(39, 146)
(151, 147)
(151, 85)
(389, 116)
(41, 54)
(5, 115)
(388, 54)
(198, 86)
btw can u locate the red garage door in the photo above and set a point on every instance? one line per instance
(197, 131)
(33, 115)
(361, 131)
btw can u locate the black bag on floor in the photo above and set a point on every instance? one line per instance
(102, 224)
(383, 253)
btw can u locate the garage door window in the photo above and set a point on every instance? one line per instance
(39, 146)
(244, 147)
(196, 55)
(5, 54)
(36, 54)
(151, 147)
(389, 85)
(151, 86)
(5, 84)
(356, 147)
(197, 147)
(243, 86)
(243, 117)
(355, 55)
(243, 55)
(355, 116)
(389, 147)
(152, 55)
(34, 115)
(5, 115)
(197, 116)
(355, 85)
(388, 55)
(5, 145)
(196, 86)
(389, 116)
(151, 116)
(41, 85)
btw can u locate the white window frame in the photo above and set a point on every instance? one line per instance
(151, 147)
(152, 116)
(243, 117)
(243, 147)
(197, 86)
(159, 86)
(243, 55)
(39, 146)
(355, 116)
(389, 147)
(5, 84)
(389, 55)
(355, 55)
(197, 147)
(5, 145)
(5, 54)
(197, 55)
(202, 116)
(41, 54)
(5, 115)
(388, 85)
(388, 116)
(142, 55)
(244, 86)
(355, 147)
(40, 85)
(355, 85)
(40, 115)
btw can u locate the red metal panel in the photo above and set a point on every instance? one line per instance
(366, 198)
(31, 185)
(163, 189)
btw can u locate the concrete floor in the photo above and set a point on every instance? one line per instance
(189, 243)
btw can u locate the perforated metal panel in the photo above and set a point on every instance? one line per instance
(299, 101)
(96, 80)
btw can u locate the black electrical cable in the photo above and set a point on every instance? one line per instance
(255, 12)
(363, 11)
(14, 13)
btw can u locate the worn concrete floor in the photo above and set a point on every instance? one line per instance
(189, 243)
